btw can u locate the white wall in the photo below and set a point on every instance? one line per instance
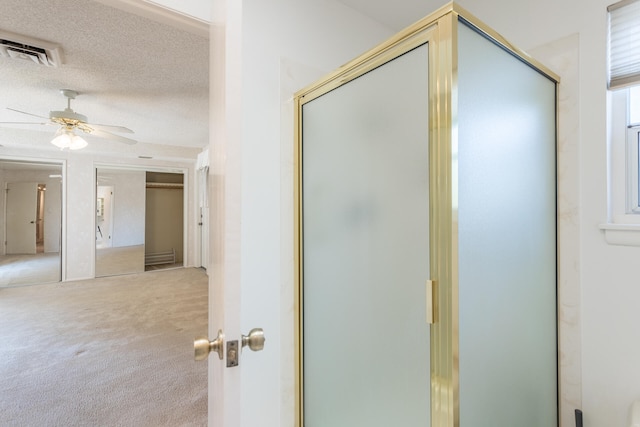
(129, 188)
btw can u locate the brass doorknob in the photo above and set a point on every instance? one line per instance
(202, 346)
(255, 339)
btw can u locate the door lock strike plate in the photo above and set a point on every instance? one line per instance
(232, 354)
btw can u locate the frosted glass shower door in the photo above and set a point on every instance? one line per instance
(365, 245)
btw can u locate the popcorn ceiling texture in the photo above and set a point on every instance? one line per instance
(129, 70)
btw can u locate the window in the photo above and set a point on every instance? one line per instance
(624, 43)
(623, 222)
(633, 153)
(623, 60)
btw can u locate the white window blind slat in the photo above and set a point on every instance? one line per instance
(624, 43)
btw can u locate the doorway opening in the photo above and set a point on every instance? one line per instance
(31, 211)
(40, 218)
(164, 219)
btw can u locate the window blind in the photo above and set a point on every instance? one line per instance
(624, 43)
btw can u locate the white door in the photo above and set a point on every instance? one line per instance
(21, 217)
(225, 210)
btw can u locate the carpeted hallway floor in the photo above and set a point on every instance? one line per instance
(114, 351)
(18, 270)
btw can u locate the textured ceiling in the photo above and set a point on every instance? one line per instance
(129, 70)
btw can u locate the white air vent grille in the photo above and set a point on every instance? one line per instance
(15, 46)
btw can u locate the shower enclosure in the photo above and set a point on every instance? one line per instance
(426, 234)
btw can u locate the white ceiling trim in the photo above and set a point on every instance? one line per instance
(162, 15)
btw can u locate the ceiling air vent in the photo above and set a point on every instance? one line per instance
(25, 48)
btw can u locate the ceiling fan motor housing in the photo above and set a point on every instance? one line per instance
(67, 116)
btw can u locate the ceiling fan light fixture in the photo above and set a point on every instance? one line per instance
(66, 138)
(77, 143)
(69, 121)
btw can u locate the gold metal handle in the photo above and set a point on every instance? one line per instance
(431, 302)
(255, 339)
(202, 346)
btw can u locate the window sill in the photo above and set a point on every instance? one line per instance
(621, 234)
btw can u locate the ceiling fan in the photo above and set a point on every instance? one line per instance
(69, 121)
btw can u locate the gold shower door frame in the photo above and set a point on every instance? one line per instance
(440, 31)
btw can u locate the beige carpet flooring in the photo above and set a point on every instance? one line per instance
(112, 351)
(119, 260)
(16, 270)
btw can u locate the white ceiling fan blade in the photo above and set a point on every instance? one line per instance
(24, 123)
(30, 114)
(111, 136)
(110, 128)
